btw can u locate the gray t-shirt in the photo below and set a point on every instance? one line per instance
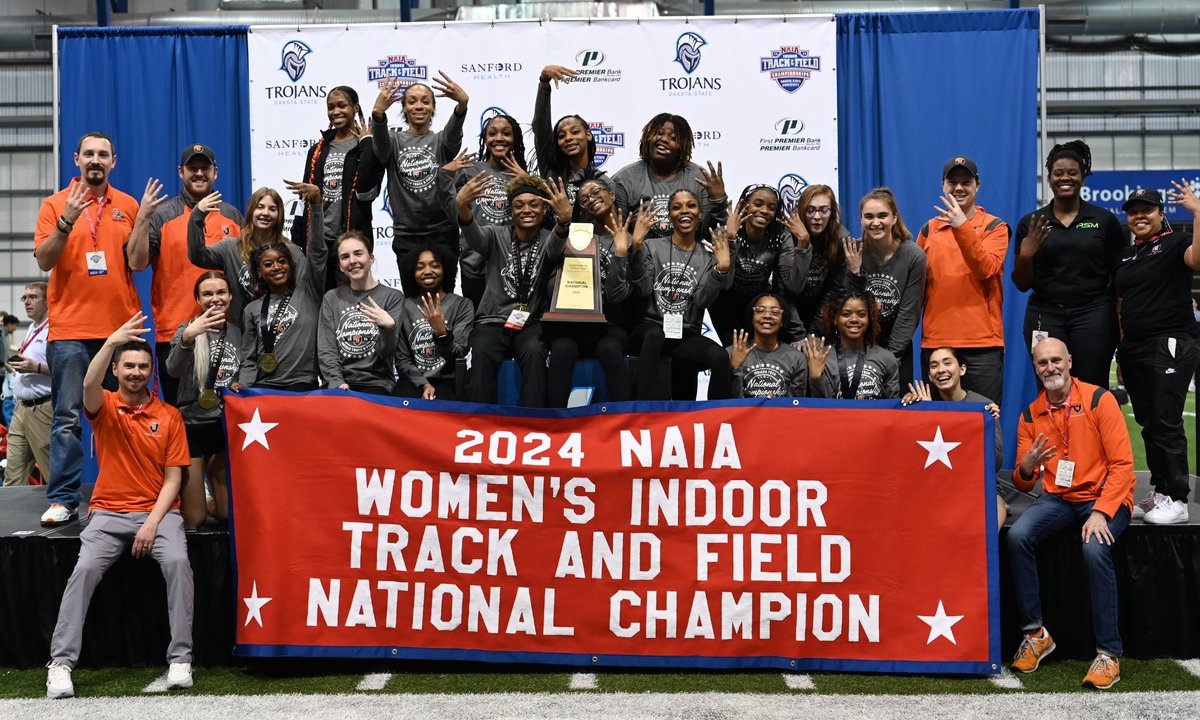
(879, 380)
(332, 190)
(782, 372)
(975, 397)
(351, 348)
(222, 356)
(899, 286)
(412, 163)
(677, 281)
(420, 356)
(491, 208)
(636, 181)
(512, 277)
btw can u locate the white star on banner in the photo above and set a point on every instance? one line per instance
(256, 431)
(940, 624)
(938, 449)
(254, 606)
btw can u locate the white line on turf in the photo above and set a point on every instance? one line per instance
(159, 685)
(1192, 666)
(583, 681)
(374, 681)
(798, 682)
(1007, 680)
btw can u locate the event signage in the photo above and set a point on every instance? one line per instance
(1111, 188)
(658, 534)
(751, 89)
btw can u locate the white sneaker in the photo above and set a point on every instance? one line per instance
(1167, 512)
(57, 515)
(1146, 505)
(58, 682)
(179, 675)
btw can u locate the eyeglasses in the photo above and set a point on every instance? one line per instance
(823, 211)
(772, 311)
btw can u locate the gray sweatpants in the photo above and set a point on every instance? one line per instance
(105, 538)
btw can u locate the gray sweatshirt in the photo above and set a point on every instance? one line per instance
(975, 397)
(420, 356)
(296, 328)
(491, 209)
(677, 281)
(181, 363)
(899, 286)
(412, 163)
(503, 281)
(782, 372)
(545, 141)
(226, 255)
(351, 348)
(880, 378)
(636, 181)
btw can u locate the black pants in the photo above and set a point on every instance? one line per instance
(1089, 332)
(569, 341)
(1157, 381)
(472, 288)
(728, 313)
(689, 355)
(167, 384)
(491, 344)
(403, 243)
(985, 370)
(443, 388)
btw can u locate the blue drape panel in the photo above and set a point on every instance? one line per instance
(916, 89)
(155, 90)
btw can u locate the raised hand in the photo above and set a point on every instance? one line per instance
(1181, 194)
(741, 348)
(431, 308)
(559, 74)
(917, 391)
(642, 226)
(376, 314)
(952, 212)
(713, 180)
(306, 191)
(131, 330)
(817, 353)
(77, 200)
(795, 225)
(462, 162)
(473, 189)
(210, 320)
(151, 198)
(719, 247)
(511, 167)
(1039, 452)
(209, 203)
(617, 225)
(1039, 230)
(853, 250)
(447, 88)
(559, 202)
(389, 93)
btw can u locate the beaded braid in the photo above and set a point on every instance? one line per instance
(312, 174)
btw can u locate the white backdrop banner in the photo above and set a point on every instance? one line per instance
(759, 93)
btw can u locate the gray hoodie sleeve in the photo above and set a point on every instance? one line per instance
(711, 284)
(327, 355)
(616, 283)
(793, 267)
(381, 137)
(248, 371)
(199, 253)
(459, 322)
(475, 238)
(450, 139)
(180, 360)
(543, 138)
(912, 299)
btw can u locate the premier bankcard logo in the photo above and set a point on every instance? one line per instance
(397, 66)
(789, 135)
(292, 59)
(789, 66)
(607, 141)
(592, 68)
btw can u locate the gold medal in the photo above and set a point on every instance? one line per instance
(267, 362)
(209, 399)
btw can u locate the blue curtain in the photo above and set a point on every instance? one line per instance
(155, 90)
(916, 89)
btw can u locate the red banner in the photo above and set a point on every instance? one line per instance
(787, 534)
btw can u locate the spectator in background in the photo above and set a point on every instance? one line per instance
(1066, 254)
(163, 245)
(8, 336)
(29, 378)
(91, 292)
(964, 281)
(1085, 465)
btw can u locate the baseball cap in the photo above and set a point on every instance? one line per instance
(192, 151)
(1146, 195)
(960, 161)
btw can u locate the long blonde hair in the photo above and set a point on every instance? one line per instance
(250, 237)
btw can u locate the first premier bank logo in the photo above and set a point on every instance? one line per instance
(293, 60)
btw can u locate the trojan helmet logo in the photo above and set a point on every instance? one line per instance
(293, 62)
(486, 116)
(790, 187)
(687, 51)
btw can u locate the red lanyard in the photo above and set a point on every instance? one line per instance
(94, 223)
(1065, 431)
(1149, 240)
(33, 333)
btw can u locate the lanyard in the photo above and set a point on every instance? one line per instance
(1065, 431)
(1150, 240)
(268, 331)
(850, 386)
(215, 365)
(518, 261)
(32, 335)
(94, 223)
(686, 263)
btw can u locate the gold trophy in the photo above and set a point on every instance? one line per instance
(577, 294)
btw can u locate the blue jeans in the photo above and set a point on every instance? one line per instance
(68, 361)
(1048, 516)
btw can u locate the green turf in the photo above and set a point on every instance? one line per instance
(283, 677)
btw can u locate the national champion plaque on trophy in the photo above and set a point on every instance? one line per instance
(577, 294)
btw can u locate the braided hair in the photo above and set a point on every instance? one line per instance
(258, 282)
(558, 164)
(311, 172)
(518, 140)
(1076, 150)
(683, 132)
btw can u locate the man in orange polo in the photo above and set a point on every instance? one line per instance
(163, 246)
(142, 449)
(1073, 438)
(964, 281)
(80, 238)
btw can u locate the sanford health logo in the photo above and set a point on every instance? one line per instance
(789, 136)
(790, 66)
(397, 66)
(687, 54)
(607, 141)
(293, 62)
(490, 70)
(592, 70)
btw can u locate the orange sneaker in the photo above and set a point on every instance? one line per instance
(1032, 651)
(1105, 673)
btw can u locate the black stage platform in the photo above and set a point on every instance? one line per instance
(1158, 572)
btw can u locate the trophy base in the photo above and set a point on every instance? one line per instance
(573, 316)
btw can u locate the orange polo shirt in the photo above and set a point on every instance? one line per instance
(83, 305)
(1097, 441)
(134, 446)
(172, 292)
(964, 282)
